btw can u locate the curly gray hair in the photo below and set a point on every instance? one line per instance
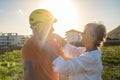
(98, 32)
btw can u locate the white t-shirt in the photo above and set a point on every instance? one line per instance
(87, 66)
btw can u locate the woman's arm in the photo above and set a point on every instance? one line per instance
(76, 65)
(72, 51)
(68, 51)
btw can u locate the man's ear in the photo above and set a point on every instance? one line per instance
(51, 29)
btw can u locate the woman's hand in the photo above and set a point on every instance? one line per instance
(59, 40)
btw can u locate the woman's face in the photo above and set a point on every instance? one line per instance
(87, 39)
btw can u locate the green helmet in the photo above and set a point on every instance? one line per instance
(41, 16)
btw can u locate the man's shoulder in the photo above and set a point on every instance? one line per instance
(29, 49)
(31, 40)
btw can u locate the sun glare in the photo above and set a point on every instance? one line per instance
(66, 13)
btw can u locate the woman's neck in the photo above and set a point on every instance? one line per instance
(91, 48)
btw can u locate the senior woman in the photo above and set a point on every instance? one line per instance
(83, 63)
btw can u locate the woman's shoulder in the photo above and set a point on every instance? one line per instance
(92, 55)
(95, 54)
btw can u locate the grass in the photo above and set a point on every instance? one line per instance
(11, 67)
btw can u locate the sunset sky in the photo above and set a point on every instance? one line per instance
(71, 14)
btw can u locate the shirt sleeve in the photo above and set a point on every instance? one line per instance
(72, 51)
(77, 65)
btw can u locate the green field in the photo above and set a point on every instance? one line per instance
(11, 67)
(111, 62)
